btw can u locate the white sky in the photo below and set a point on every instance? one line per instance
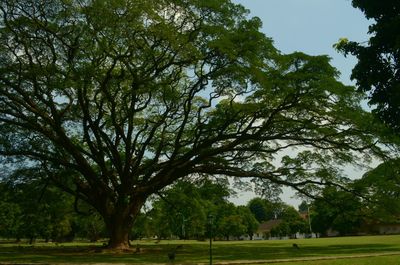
(310, 26)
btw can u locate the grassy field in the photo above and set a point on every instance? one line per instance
(387, 260)
(194, 252)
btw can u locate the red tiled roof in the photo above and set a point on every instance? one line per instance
(267, 226)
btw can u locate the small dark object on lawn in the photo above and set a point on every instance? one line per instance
(171, 256)
(296, 246)
(172, 253)
(137, 248)
(98, 250)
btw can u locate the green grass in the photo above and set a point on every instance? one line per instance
(387, 260)
(195, 252)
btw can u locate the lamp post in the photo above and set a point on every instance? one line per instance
(210, 223)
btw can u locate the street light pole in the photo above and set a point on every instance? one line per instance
(210, 222)
(309, 219)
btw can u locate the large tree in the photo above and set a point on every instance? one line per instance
(381, 189)
(115, 100)
(378, 69)
(338, 210)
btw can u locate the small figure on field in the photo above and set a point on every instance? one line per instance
(295, 246)
(172, 253)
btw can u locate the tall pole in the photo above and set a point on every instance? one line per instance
(210, 222)
(183, 227)
(309, 219)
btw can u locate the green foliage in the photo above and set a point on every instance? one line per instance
(231, 225)
(114, 101)
(90, 226)
(295, 223)
(291, 223)
(265, 210)
(248, 220)
(142, 228)
(338, 210)
(377, 70)
(259, 209)
(381, 188)
(184, 210)
(303, 207)
(10, 219)
(38, 210)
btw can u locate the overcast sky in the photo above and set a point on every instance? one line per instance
(312, 27)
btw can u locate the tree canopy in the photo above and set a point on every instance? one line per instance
(115, 100)
(338, 210)
(381, 188)
(378, 69)
(36, 209)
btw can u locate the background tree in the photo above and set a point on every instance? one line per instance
(116, 100)
(291, 221)
(304, 207)
(231, 225)
(89, 224)
(160, 221)
(264, 209)
(295, 223)
(259, 209)
(338, 210)
(182, 208)
(378, 69)
(381, 189)
(10, 214)
(36, 209)
(248, 220)
(281, 230)
(142, 228)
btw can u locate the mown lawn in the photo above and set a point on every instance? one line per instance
(386, 260)
(197, 252)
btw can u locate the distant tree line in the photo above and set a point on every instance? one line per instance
(372, 200)
(291, 221)
(34, 209)
(187, 210)
(200, 208)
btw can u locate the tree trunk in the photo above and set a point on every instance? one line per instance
(120, 223)
(119, 235)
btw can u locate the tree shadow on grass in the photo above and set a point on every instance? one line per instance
(288, 251)
(192, 253)
(82, 254)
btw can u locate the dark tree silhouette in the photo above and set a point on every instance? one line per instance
(378, 69)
